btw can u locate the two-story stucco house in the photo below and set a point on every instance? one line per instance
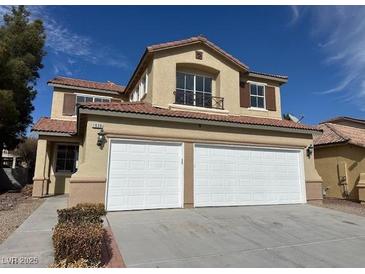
(193, 127)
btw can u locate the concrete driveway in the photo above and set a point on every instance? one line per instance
(252, 236)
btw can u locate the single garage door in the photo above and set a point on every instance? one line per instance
(227, 176)
(144, 175)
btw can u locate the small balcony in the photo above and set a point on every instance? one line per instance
(198, 99)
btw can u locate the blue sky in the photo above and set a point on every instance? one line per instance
(321, 49)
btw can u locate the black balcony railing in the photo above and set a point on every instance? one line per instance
(198, 99)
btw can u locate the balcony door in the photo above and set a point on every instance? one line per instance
(193, 90)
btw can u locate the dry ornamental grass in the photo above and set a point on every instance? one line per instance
(79, 236)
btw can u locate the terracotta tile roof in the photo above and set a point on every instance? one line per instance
(192, 40)
(46, 124)
(336, 134)
(344, 118)
(270, 75)
(144, 108)
(73, 82)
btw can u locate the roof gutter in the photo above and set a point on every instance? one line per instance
(47, 133)
(345, 142)
(191, 121)
(278, 79)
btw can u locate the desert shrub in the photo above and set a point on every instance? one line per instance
(73, 242)
(81, 213)
(81, 263)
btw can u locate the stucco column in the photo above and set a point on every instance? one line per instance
(313, 181)
(361, 188)
(188, 175)
(41, 172)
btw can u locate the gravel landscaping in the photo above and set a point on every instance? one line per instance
(15, 208)
(344, 206)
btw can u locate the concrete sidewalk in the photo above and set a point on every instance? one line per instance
(31, 244)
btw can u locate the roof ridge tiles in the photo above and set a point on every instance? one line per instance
(334, 130)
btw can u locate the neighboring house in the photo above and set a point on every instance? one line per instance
(9, 158)
(340, 157)
(196, 128)
(13, 171)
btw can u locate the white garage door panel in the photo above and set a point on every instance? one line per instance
(144, 175)
(246, 176)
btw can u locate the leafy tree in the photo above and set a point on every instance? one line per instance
(27, 151)
(8, 113)
(21, 52)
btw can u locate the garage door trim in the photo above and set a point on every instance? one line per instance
(181, 171)
(303, 198)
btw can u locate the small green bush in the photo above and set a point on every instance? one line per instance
(81, 213)
(73, 242)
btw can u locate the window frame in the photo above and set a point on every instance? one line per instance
(194, 90)
(263, 85)
(55, 160)
(137, 93)
(90, 96)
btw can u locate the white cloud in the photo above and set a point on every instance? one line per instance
(61, 69)
(341, 34)
(341, 85)
(295, 14)
(77, 47)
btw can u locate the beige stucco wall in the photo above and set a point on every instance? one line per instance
(46, 180)
(327, 160)
(77, 192)
(42, 165)
(94, 165)
(57, 101)
(188, 174)
(59, 184)
(314, 190)
(226, 78)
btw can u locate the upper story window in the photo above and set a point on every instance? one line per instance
(140, 90)
(257, 95)
(70, 100)
(193, 90)
(88, 98)
(81, 98)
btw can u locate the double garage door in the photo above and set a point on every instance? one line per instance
(149, 175)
